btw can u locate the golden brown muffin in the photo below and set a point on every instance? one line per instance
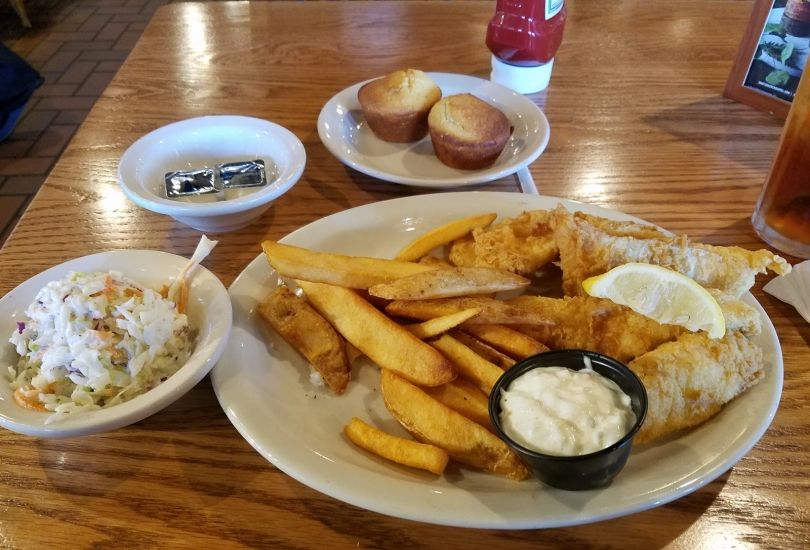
(396, 106)
(467, 133)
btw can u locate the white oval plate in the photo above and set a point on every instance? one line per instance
(209, 311)
(263, 386)
(345, 133)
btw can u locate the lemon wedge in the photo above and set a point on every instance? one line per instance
(661, 294)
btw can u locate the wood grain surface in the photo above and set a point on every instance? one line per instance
(639, 124)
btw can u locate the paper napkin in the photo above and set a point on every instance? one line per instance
(793, 288)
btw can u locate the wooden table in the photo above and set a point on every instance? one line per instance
(638, 124)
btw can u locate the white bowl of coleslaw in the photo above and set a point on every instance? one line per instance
(207, 316)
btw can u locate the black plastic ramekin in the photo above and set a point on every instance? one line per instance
(586, 471)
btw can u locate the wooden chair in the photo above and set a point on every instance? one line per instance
(19, 7)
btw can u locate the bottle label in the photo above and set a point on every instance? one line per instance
(553, 7)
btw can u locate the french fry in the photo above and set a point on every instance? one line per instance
(440, 325)
(483, 349)
(348, 271)
(310, 334)
(470, 365)
(443, 235)
(430, 421)
(492, 310)
(448, 283)
(508, 340)
(463, 397)
(396, 449)
(382, 340)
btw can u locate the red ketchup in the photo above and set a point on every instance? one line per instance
(523, 37)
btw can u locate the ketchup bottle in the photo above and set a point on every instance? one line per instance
(523, 37)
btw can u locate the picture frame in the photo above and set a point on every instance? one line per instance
(772, 56)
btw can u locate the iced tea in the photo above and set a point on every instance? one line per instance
(782, 214)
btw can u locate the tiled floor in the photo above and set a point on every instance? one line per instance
(77, 45)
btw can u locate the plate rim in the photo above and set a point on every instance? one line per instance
(720, 464)
(474, 177)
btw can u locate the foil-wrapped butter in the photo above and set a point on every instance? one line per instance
(193, 182)
(225, 176)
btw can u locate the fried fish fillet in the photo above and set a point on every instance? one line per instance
(590, 248)
(688, 381)
(310, 334)
(738, 314)
(595, 324)
(521, 245)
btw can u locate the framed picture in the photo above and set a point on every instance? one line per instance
(772, 56)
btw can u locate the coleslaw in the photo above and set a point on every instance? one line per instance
(94, 340)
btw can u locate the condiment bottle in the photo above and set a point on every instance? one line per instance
(523, 37)
(782, 213)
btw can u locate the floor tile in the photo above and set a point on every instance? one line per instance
(95, 23)
(80, 14)
(43, 51)
(77, 72)
(73, 116)
(25, 166)
(34, 122)
(53, 140)
(95, 84)
(10, 208)
(66, 102)
(108, 66)
(60, 60)
(112, 31)
(8, 229)
(127, 40)
(15, 148)
(88, 46)
(21, 185)
(111, 55)
(56, 90)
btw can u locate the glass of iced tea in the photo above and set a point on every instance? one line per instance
(782, 214)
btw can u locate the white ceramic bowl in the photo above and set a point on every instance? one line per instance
(203, 142)
(209, 312)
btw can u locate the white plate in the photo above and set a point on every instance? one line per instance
(263, 386)
(345, 133)
(209, 311)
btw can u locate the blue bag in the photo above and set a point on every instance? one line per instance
(18, 80)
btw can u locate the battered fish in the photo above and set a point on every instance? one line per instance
(688, 381)
(588, 248)
(595, 324)
(738, 314)
(310, 334)
(521, 245)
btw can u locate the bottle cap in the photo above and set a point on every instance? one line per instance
(524, 80)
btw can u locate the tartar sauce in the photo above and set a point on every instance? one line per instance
(562, 412)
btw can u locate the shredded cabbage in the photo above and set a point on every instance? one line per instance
(93, 340)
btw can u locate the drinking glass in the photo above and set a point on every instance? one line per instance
(782, 214)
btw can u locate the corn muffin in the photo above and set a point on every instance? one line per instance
(396, 106)
(467, 132)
